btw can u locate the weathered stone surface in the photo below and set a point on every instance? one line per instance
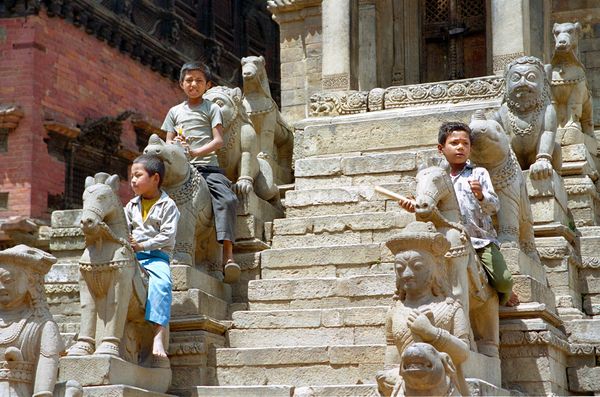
(482, 367)
(99, 370)
(66, 219)
(318, 166)
(591, 304)
(241, 391)
(187, 277)
(120, 391)
(519, 263)
(63, 273)
(194, 301)
(337, 391)
(583, 331)
(530, 290)
(584, 379)
(379, 163)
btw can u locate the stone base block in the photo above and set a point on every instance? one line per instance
(584, 379)
(106, 370)
(368, 390)
(548, 199)
(120, 391)
(479, 387)
(573, 136)
(239, 391)
(187, 277)
(530, 290)
(195, 302)
(484, 368)
(577, 160)
(584, 201)
(519, 263)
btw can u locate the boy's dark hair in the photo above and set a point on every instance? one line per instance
(451, 126)
(153, 165)
(201, 66)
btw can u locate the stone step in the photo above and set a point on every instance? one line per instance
(365, 228)
(366, 390)
(339, 326)
(316, 293)
(343, 200)
(326, 261)
(583, 331)
(300, 365)
(196, 302)
(120, 391)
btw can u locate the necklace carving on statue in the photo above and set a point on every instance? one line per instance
(11, 331)
(516, 129)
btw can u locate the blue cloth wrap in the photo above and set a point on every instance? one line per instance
(158, 303)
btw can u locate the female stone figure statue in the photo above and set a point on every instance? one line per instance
(30, 342)
(422, 311)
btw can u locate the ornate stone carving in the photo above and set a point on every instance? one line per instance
(436, 201)
(491, 149)
(590, 262)
(518, 338)
(338, 103)
(499, 62)
(109, 325)
(30, 342)
(189, 190)
(529, 118)
(275, 136)
(333, 82)
(422, 310)
(569, 85)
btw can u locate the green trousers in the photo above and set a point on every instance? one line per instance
(498, 274)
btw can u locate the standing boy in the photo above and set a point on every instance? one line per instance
(477, 201)
(152, 218)
(197, 124)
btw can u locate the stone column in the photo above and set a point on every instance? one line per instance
(367, 53)
(518, 28)
(339, 39)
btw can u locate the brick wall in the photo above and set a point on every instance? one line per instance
(54, 70)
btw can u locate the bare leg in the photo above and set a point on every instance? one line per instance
(231, 270)
(159, 343)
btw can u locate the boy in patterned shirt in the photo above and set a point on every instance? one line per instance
(477, 201)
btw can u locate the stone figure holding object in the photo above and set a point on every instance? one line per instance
(423, 311)
(529, 118)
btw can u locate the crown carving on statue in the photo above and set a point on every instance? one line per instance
(32, 259)
(419, 236)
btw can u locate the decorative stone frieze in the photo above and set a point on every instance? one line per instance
(500, 61)
(352, 102)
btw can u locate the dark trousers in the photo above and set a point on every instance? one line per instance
(224, 201)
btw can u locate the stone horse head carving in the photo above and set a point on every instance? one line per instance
(112, 287)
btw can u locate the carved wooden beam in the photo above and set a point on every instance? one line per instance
(10, 115)
(62, 129)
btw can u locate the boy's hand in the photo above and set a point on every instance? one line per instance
(135, 245)
(408, 205)
(476, 189)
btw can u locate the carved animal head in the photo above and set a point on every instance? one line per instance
(174, 157)
(434, 190)
(101, 202)
(423, 368)
(526, 84)
(255, 74)
(490, 144)
(230, 102)
(566, 36)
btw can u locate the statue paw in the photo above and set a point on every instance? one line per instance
(108, 348)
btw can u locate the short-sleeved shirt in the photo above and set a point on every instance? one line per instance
(477, 214)
(196, 122)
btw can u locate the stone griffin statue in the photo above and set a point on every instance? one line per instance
(491, 150)
(275, 135)
(423, 313)
(30, 342)
(569, 85)
(529, 118)
(240, 157)
(112, 287)
(184, 184)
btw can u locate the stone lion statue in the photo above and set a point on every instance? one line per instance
(491, 150)
(529, 118)
(569, 85)
(184, 184)
(239, 156)
(275, 135)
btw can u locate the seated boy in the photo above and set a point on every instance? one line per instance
(197, 124)
(477, 201)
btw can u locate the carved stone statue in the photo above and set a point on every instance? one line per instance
(239, 156)
(112, 290)
(427, 372)
(529, 118)
(491, 150)
(569, 85)
(423, 310)
(275, 135)
(30, 342)
(435, 201)
(189, 190)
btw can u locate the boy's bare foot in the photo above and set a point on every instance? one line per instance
(513, 300)
(231, 272)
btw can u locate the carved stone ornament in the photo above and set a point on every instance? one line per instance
(10, 116)
(29, 337)
(500, 61)
(277, 6)
(338, 103)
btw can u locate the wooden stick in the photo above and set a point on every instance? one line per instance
(390, 194)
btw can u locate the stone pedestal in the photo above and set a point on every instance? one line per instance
(481, 367)
(548, 199)
(101, 370)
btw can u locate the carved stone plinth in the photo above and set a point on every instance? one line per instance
(534, 354)
(584, 200)
(548, 199)
(252, 215)
(481, 367)
(101, 370)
